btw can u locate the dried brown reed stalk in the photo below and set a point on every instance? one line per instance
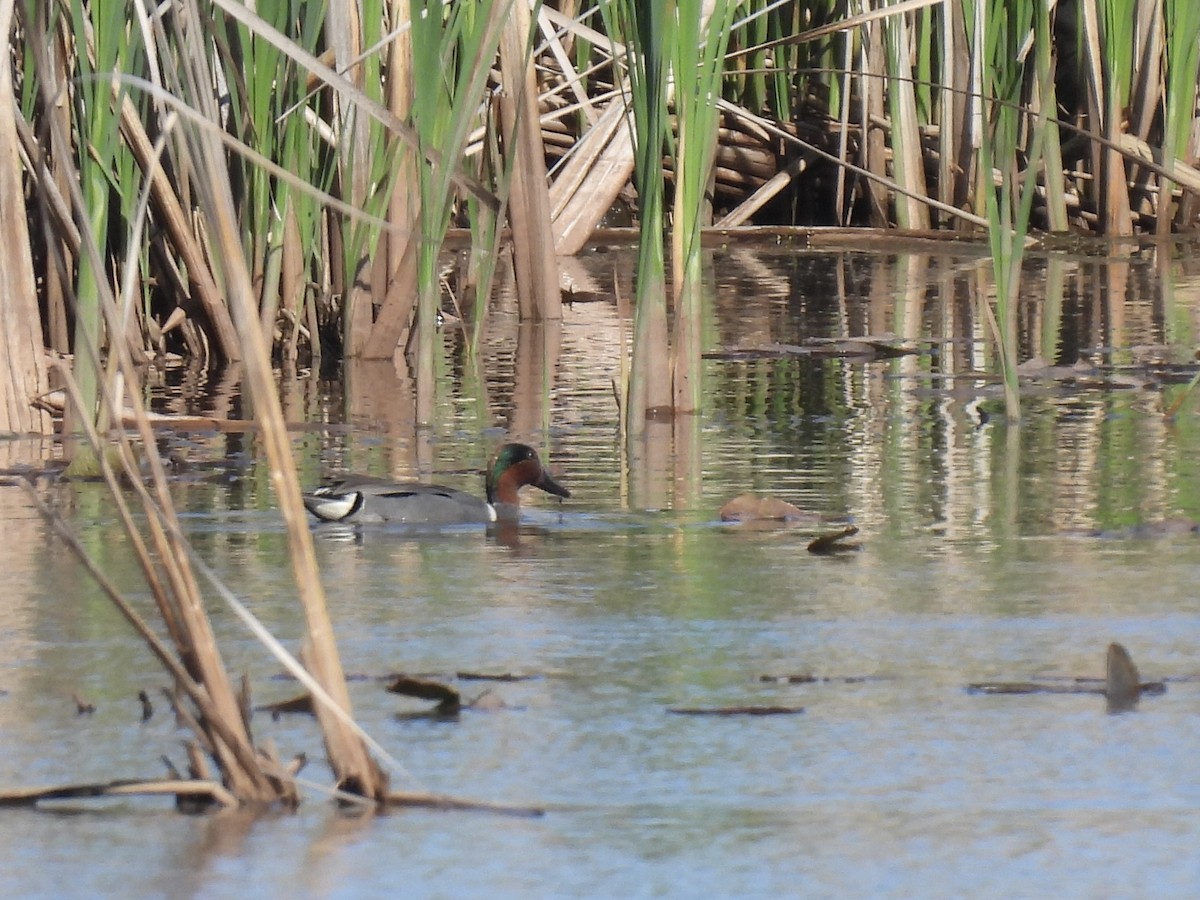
(353, 767)
(162, 550)
(537, 282)
(398, 246)
(175, 220)
(20, 325)
(586, 187)
(601, 161)
(164, 562)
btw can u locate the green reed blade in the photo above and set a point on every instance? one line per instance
(698, 61)
(1182, 52)
(645, 30)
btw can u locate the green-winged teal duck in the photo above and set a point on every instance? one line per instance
(360, 498)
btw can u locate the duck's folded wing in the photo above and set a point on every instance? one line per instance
(365, 499)
(424, 504)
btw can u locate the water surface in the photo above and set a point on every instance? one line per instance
(988, 552)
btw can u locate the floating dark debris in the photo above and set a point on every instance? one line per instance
(1122, 685)
(1032, 687)
(864, 348)
(832, 542)
(83, 707)
(449, 700)
(461, 675)
(500, 676)
(299, 704)
(808, 678)
(736, 710)
(147, 706)
(1164, 528)
(1074, 686)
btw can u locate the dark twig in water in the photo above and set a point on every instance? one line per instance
(301, 703)
(500, 676)
(831, 542)
(808, 678)
(449, 701)
(736, 710)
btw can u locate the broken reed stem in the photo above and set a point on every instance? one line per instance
(124, 787)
